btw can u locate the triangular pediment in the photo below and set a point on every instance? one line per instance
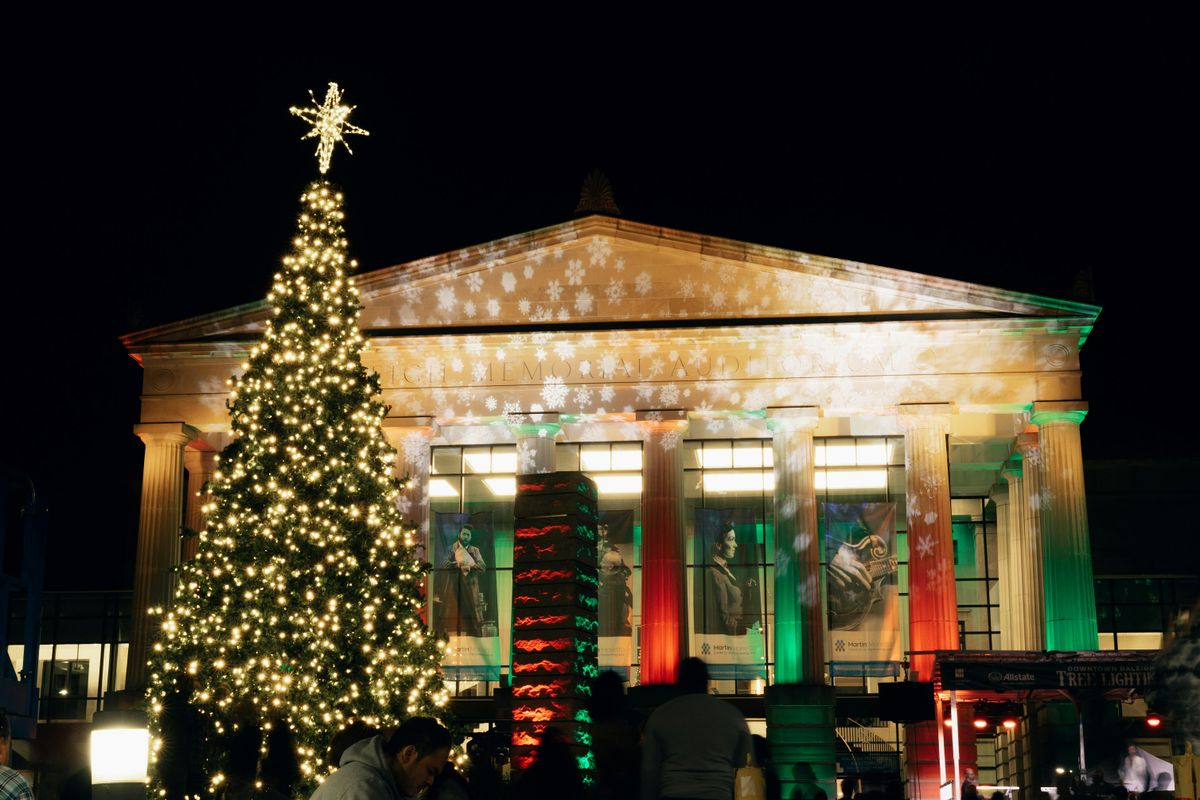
(605, 271)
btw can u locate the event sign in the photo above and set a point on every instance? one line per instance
(614, 557)
(464, 595)
(727, 607)
(1050, 672)
(862, 593)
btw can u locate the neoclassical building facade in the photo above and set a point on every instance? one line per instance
(687, 372)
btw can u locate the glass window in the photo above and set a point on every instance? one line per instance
(81, 633)
(481, 478)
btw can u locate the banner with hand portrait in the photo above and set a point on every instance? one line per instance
(727, 613)
(862, 590)
(464, 595)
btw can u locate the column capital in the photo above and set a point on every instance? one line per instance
(998, 494)
(1058, 412)
(662, 421)
(399, 429)
(414, 424)
(925, 416)
(1027, 443)
(793, 418)
(165, 432)
(197, 458)
(546, 425)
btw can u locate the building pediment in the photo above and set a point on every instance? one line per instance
(600, 271)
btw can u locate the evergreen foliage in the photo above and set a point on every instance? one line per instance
(302, 605)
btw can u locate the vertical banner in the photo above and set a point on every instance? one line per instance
(464, 595)
(614, 556)
(862, 590)
(727, 588)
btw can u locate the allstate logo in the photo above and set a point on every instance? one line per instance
(995, 677)
(704, 649)
(839, 646)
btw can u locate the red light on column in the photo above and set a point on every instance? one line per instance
(980, 723)
(1153, 720)
(949, 723)
(1009, 723)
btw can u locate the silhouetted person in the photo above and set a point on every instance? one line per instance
(280, 769)
(1162, 787)
(483, 776)
(449, 785)
(241, 765)
(12, 785)
(806, 783)
(694, 743)
(403, 764)
(554, 774)
(1065, 787)
(1135, 772)
(615, 740)
(762, 757)
(353, 733)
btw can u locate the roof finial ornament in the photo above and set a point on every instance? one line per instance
(596, 196)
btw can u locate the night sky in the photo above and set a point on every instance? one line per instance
(157, 183)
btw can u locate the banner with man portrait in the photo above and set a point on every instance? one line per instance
(464, 605)
(614, 558)
(862, 596)
(727, 608)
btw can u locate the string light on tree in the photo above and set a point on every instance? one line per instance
(302, 606)
(329, 124)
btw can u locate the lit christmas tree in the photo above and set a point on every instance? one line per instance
(302, 605)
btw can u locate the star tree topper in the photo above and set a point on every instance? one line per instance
(329, 124)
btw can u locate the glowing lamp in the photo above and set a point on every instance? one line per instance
(1059, 771)
(1009, 722)
(120, 752)
(1153, 720)
(980, 723)
(949, 723)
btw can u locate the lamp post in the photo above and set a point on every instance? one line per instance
(120, 754)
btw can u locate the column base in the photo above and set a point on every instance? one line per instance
(801, 730)
(921, 755)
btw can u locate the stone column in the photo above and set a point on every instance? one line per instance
(1069, 591)
(536, 434)
(158, 534)
(801, 720)
(200, 465)
(999, 497)
(799, 616)
(1032, 622)
(932, 599)
(663, 576)
(412, 437)
(1012, 580)
(932, 593)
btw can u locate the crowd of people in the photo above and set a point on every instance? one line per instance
(689, 747)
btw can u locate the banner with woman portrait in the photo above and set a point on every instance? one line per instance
(862, 590)
(464, 606)
(727, 609)
(614, 557)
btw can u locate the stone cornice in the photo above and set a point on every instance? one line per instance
(957, 299)
(947, 327)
